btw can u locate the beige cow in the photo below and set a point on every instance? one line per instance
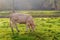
(21, 19)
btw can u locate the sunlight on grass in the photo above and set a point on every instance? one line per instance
(46, 29)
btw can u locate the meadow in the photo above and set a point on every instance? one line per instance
(46, 29)
(32, 12)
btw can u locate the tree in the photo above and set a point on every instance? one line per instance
(55, 3)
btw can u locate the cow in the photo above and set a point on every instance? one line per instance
(21, 19)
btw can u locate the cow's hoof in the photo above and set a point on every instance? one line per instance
(18, 31)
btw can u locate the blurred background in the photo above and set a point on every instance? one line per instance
(30, 4)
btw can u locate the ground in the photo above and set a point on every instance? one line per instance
(46, 29)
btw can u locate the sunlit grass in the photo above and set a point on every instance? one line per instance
(46, 29)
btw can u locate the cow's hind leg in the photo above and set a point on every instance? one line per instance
(11, 25)
(16, 27)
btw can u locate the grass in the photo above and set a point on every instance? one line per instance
(46, 29)
(37, 12)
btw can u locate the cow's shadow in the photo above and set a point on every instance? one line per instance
(15, 36)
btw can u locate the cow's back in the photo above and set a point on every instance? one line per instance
(20, 18)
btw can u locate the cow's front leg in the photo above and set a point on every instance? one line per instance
(27, 27)
(32, 28)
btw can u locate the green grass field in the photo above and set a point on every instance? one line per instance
(46, 29)
(33, 13)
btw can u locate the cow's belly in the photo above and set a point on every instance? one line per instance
(21, 21)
